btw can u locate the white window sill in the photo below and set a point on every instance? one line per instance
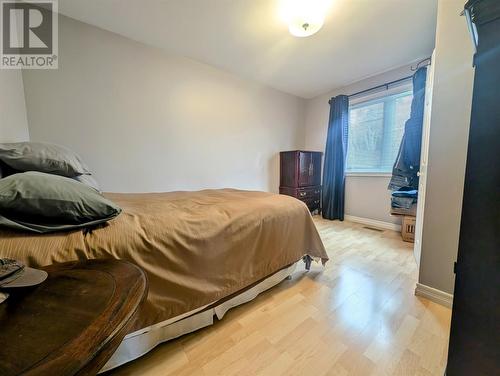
(371, 174)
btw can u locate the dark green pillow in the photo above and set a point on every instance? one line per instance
(39, 202)
(43, 157)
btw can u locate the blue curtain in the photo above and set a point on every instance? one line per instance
(404, 172)
(335, 159)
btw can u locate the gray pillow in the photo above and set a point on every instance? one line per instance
(43, 157)
(88, 180)
(6, 170)
(39, 202)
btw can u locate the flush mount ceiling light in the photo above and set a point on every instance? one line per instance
(304, 17)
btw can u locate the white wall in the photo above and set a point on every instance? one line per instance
(146, 121)
(366, 196)
(13, 121)
(450, 119)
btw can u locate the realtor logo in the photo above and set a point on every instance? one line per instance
(29, 34)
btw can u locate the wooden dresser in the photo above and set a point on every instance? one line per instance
(300, 176)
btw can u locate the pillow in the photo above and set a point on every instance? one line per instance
(42, 203)
(43, 157)
(88, 180)
(6, 170)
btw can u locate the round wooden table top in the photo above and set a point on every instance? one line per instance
(71, 323)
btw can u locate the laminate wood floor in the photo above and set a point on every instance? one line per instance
(359, 316)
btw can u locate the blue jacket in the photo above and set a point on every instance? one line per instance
(404, 172)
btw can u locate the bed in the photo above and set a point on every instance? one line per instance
(203, 252)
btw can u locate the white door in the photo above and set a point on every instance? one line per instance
(424, 154)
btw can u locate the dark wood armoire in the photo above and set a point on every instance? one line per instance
(475, 329)
(300, 176)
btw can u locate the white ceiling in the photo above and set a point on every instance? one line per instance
(247, 37)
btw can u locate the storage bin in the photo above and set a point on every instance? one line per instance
(408, 228)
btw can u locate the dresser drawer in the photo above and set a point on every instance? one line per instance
(302, 193)
(311, 196)
(312, 203)
(308, 193)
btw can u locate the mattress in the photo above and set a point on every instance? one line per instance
(195, 247)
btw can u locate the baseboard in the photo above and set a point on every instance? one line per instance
(373, 223)
(435, 295)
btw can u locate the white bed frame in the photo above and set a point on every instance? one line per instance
(140, 342)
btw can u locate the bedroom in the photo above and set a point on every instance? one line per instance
(192, 97)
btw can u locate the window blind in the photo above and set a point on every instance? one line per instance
(375, 131)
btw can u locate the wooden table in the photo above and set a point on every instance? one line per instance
(71, 323)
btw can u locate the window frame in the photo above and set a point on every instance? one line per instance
(399, 89)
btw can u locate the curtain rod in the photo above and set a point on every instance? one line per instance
(427, 62)
(386, 85)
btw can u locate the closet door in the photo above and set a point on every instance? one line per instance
(424, 154)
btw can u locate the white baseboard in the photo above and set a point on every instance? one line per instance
(373, 223)
(435, 295)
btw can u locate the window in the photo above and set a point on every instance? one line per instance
(375, 131)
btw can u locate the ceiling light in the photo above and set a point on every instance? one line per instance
(304, 17)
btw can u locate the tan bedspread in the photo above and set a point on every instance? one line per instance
(195, 247)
